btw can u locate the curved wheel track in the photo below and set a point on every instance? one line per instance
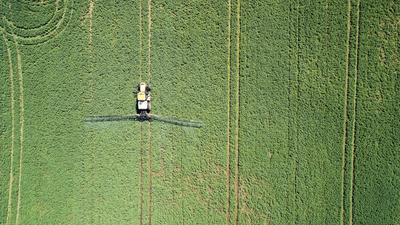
(12, 103)
(27, 36)
(43, 33)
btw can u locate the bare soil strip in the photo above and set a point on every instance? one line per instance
(354, 113)
(12, 100)
(90, 17)
(237, 113)
(346, 90)
(21, 121)
(228, 106)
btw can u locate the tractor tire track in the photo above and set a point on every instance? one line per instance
(140, 40)
(298, 70)
(21, 116)
(37, 3)
(141, 182)
(149, 77)
(90, 45)
(228, 147)
(90, 17)
(39, 38)
(297, 105)
(38, 28)
(12, 102)
(149, 21)
(345, 111)
(141, 175)
(353, 135)
(293, 101)
(289, 141)
(22, 123)
(44, 37)
(150, 172)
(16, 30)
(90, 138)
(236, 188)
(296, 100)
(15, 39)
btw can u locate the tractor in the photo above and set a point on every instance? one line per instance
(143, 101)
(143, 111)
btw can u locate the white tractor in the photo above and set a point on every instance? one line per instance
(143, 101)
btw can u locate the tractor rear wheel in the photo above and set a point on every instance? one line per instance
(149, 107)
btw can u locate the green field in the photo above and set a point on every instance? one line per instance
(299, 102)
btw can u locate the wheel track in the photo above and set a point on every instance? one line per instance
(38, 3)
(11, 26)
(149, 23)
(21, 130)
(296, 168)
(150, 171)
(228, 150)
(149, 77)
(58, 29)
(353, 135)
(141, 125)
(289, 141)
(12, 100)
(43, 26)
(22, 123)
(34, 39)
(237, 113)
(15, 39)
(345, 111)
(293, 101)
(44, 37)
(90, 17)
(141, 175)
(90, 86)
(140, 39)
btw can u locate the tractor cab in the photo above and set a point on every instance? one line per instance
(143, 101)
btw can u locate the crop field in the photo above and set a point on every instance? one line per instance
(299, 102)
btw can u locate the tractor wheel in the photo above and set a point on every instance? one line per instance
(149, 108)
(137, 108)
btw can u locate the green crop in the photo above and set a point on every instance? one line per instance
(298, 102)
